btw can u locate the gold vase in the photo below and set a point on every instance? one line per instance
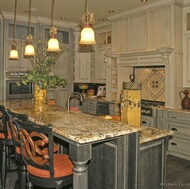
(40, 95)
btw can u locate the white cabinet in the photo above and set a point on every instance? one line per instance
(179, 123)
(142, 31)
(82, 67)
(186, 47)
(82, 61)
(138, 32)
(111, 79)
(186, 61)
(103, 37)
(100, 65)
(120, 35)
(160, 28)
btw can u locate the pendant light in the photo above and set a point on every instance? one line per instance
(87, 33)
(14, 52)
(53, 44)
(29, 49)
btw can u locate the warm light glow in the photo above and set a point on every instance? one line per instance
(13, 54)
(87, 36)
(29, 50)
(53, 45)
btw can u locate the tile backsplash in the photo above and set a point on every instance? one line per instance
(153, 82)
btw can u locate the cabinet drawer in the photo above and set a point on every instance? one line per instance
(180, 130)
(179, 146)
(172, 116)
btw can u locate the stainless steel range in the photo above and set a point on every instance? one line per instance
(148, 112)
(13, 91)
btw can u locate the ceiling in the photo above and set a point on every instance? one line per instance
(72, 10)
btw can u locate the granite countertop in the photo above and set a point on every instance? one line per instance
(148, 134)
(76, 126)
(80, 127)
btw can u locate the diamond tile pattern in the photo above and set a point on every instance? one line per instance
(153, 83)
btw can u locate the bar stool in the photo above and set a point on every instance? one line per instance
(45, 168)
(6, 143)
(22, 173)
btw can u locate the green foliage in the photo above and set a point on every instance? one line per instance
(43, 63)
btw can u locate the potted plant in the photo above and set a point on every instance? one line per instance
(40, 74)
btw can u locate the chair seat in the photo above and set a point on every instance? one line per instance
(2, 136)
(55, 149)
(62, 167)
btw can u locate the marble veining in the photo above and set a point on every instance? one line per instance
(80, 127)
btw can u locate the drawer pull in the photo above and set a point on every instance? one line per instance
(173, 129)
(174, 117)
(144, 122)
(173, 144)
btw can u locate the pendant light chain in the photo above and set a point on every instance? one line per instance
(29, 20)
(14, 27)
(52, 13)
(88, 17)
(87, 12)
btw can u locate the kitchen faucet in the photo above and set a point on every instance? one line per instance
(75, 94)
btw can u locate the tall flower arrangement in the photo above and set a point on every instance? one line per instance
(42, 65)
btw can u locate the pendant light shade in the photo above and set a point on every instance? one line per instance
(14, 52)
(87, 33)
(29, 49)
(87, 36)
(53, 44)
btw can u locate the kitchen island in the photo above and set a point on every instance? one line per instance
(84, 133)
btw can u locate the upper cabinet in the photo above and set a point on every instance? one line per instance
(103, 38)
(186, 43)
(82, 61)
(21, 33)
(103, 47)
(142, 31)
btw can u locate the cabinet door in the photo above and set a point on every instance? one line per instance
(138, 32)
(100, 65)
(186, 62)
(20, 35)
(62, 67)
(103, 167)
(151, 168)
(22, 62)
(120, 36)
(82, 67)
(160, 28)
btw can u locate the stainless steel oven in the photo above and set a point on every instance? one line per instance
(13, 91)
(102, 108)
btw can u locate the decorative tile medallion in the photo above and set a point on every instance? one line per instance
(153, 83)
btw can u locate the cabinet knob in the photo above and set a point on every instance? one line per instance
(173, 129)
(173, 144)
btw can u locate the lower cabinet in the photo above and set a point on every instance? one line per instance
(179, 123)
(152, 163)
(112, 164)
(89, 106)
